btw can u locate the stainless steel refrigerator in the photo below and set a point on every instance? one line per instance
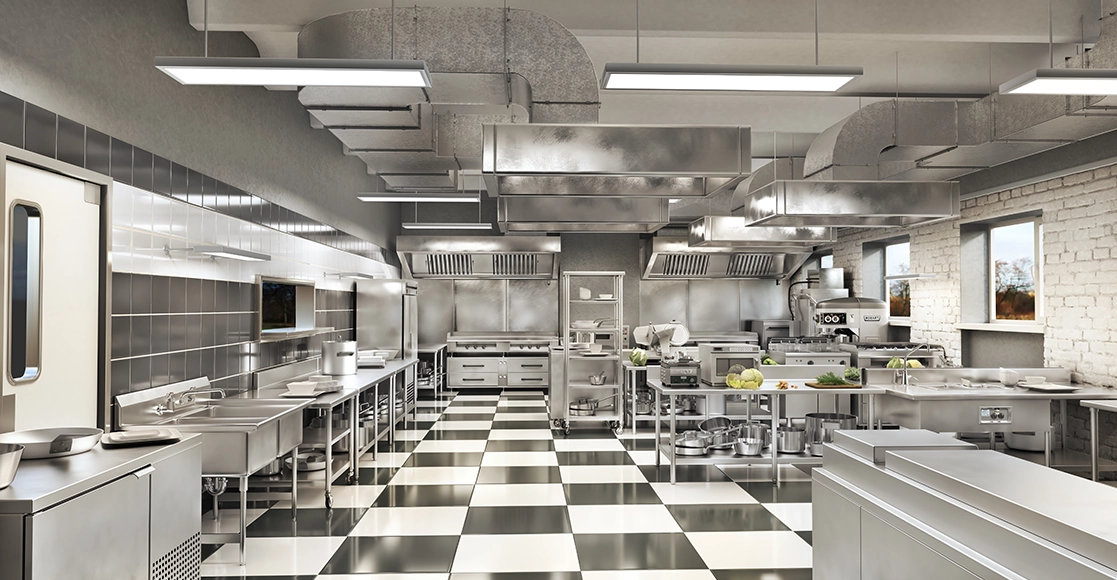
(387, 318)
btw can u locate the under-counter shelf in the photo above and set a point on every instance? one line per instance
(610, 357)
(316, 436)
(728, 456)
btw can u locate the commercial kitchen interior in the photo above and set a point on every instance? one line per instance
(528, 289)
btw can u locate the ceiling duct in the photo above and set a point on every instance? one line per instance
(734, 232)
(581, 214)
(672, 258)
(488, 65)
(480, 257)
(915, 140)
(854, 204)
(614, 160)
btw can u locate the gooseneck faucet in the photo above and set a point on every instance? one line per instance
(907, 356)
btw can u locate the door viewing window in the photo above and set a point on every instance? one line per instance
(24, 295)
(897, 262)
(1014, 269)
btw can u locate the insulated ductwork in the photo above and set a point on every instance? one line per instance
(478, 257)
(672, 258)
(911, 140)
(527, 214)
(488, 65)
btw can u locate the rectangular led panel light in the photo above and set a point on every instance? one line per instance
(1063, 81)
(447, 226)
(716, 77)
(433, 197)
(231, 253)
(355, 275)
(300, 72)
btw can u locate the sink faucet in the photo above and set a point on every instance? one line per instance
(175, 401)
(904, 371)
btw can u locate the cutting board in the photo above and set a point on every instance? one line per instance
(822, 386)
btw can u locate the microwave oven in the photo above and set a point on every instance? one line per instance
(718, 357)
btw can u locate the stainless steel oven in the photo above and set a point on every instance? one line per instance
(718, 357)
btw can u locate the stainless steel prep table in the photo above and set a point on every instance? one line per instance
(438, 378)
(767, 388)
(352, 387)
(1062, 460)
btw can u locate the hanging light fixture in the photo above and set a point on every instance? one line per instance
(479, 225)
(299, 72)
(1061, 81)
(719, 77)
(420, 196)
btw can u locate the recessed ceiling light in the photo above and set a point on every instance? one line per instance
(710, 77)
(447, 226)
(1063, 81)
(300, 72)
(434, 197)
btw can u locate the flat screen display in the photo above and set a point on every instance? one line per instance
(277, 305)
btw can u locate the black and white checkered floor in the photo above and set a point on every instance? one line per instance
(482, 488)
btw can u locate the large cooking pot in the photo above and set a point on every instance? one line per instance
(821, 427)
(790, 439)
(645, 402)
(339, 357)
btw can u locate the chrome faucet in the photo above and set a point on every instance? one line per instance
(175, 401)
(904, 376)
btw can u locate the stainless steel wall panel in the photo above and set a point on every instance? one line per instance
(533, 306)
(436, 310)
(663, 301)
(763, 300)
(379, 314)
(479, 306)
(714, 305)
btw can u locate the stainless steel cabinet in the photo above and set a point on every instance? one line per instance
(888, 553)
(101, 535)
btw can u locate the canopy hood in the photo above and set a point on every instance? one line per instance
(672, 257)
(480, 257)
(614, 160)
(854, 204)
(734, 232)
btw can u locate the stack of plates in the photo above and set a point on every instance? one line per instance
(136, 438)
(370, 358)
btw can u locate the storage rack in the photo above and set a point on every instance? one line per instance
(578, 364)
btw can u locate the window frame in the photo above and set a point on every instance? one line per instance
(1037, 274)
(885, 279)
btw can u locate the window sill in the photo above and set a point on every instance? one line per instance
(1034, 328)
(903, 322)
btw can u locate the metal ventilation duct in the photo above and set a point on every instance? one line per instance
(671, 257)
(480, 257)
(581, 214)
(734, 232)
(856, 204)
(614, 160)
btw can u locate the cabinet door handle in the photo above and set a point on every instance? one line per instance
(526, 379)
(532, 366)
(143, 471)
(474, 366)
(469, 379)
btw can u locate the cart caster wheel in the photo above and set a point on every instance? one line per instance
(566, 430)
(618, 431)
(557, 423)
(329, 501)
(352, 479)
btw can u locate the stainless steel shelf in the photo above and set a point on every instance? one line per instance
(606, 358)
(316, 436)
(597, 417)
(721, 457)
(610, 301)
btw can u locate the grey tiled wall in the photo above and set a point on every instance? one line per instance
(168, 329)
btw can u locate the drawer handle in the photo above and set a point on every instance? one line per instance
(532, 366)
(525, 379)
(468, 379)
(474, 366)
(143, 471)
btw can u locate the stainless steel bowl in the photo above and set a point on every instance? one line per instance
(10, 454)
(747, 446)
(57, 442)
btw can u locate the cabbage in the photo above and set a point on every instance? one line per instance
(749, 379)
(895, 363)
(638, 357)
(914, 364)
(736, 369)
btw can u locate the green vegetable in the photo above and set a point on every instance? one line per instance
(750, 379)
(853, 374)
(830, 379)
(767, 360)
(914, 364)
(736, 369)
(895, 363)
(638, 357)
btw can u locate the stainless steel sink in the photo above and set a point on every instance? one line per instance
(241, 412)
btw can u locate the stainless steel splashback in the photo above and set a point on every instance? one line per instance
(711, 305)
(447, 306)
(381, 316)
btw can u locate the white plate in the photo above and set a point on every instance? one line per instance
(595, 354)
(290, 395)
(1049, 388)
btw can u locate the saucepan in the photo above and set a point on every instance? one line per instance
(692, 443)
(586, 407)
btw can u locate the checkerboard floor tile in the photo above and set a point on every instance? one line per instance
(480, 487)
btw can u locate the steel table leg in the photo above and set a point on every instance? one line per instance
(1047, 448)
(671, 435)
(873, 412)
(294, 482)
(776, 400)
(354, 440)
(392, 410)
(1093, 444)
(1063, 424)
(243, 516)
(329, 452)
(657, 431)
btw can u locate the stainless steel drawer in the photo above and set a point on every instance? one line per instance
(534, 364)
(473, 365)
(470, 379)
(528, 379)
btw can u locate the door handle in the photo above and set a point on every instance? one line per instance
(139, 473)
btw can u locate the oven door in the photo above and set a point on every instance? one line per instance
(719, 364)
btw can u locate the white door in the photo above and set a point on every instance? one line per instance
(50, 297)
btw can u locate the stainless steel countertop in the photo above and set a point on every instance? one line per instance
(873, 444)
(41, 483)
(769, 387)
(351, 385)
(1101, 405)
(1067, 510)
(431, 347)
(917, 393)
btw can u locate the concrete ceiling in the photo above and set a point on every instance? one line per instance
(914, 47)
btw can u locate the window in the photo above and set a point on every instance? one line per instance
(897, 262)
(826, 261)
(1014, 270)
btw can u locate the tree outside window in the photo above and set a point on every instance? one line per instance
(897, 262)
(1012, 255)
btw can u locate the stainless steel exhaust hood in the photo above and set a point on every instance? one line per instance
(734, 232)
(672, 257)
(614, 160)
(854, 204)
(480, 257)
(582, 214)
